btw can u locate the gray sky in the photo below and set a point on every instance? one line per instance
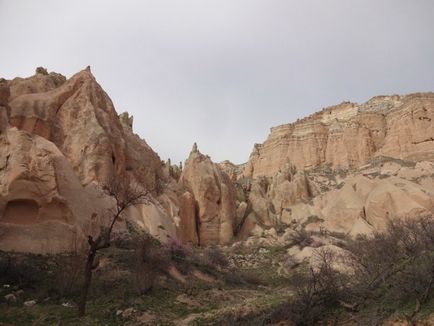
(223, 72)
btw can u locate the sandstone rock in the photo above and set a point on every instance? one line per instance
(288, 188)
(214, 194)
(364, 205)
(249, 227)
(42, 71)
(395, 198)
(232, 170)
(79, 117)
(153, 218)
(38, 83)
(188, 219)
(128, 313)
(241, 212)
(261, 206)
(30, 303)
(10, 298)
(4, 121)
(301, 255)
(4, 94)
(126, 120)
(348, 135)
(43, 206)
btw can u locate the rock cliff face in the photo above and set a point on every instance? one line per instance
(80, 119)
(60, 138)
(214, 196)
(43, 206)
(348, 135)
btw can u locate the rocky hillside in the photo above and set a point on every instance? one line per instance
(349, 168)
(349, 134)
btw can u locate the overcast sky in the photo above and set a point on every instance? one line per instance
(223, 72)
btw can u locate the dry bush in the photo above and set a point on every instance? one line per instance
(22, 270)
(151, 259)
(178, 251)
(391, 271)
(318, 291)
(68, 276)
(396, 266)
(301, 238)
(214, 257)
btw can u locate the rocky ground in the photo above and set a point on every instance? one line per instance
(41, 290)
(243, 284)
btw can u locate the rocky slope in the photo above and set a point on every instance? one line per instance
(348, 135)
(348, 169)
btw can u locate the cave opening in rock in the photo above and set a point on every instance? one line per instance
(21, 211)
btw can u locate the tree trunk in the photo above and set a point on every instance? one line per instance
(86, 284)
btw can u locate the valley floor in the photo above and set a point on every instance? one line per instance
(146, 283)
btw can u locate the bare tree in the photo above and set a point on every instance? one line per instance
(126, 193)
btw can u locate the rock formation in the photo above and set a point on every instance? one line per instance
(43, 206)
(79, 117)
(214, 195)
(348, 135)
(73, 122)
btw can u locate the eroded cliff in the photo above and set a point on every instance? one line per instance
(348, 135)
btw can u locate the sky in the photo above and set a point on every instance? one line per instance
(222, 73)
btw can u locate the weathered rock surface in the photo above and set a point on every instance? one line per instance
(43, 206)
(271, 199)
(361, 202)
(215, 198)
(79, 117)
(70, 139)
(348, 135)
(188, 232)
(232, 170)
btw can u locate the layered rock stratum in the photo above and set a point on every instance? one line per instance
(349, 135)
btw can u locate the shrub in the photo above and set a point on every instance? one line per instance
(215, 257)
(151, 259)
(68, 275)
(392, 271)
(22, 270)
(301, 238)
(178, 251)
